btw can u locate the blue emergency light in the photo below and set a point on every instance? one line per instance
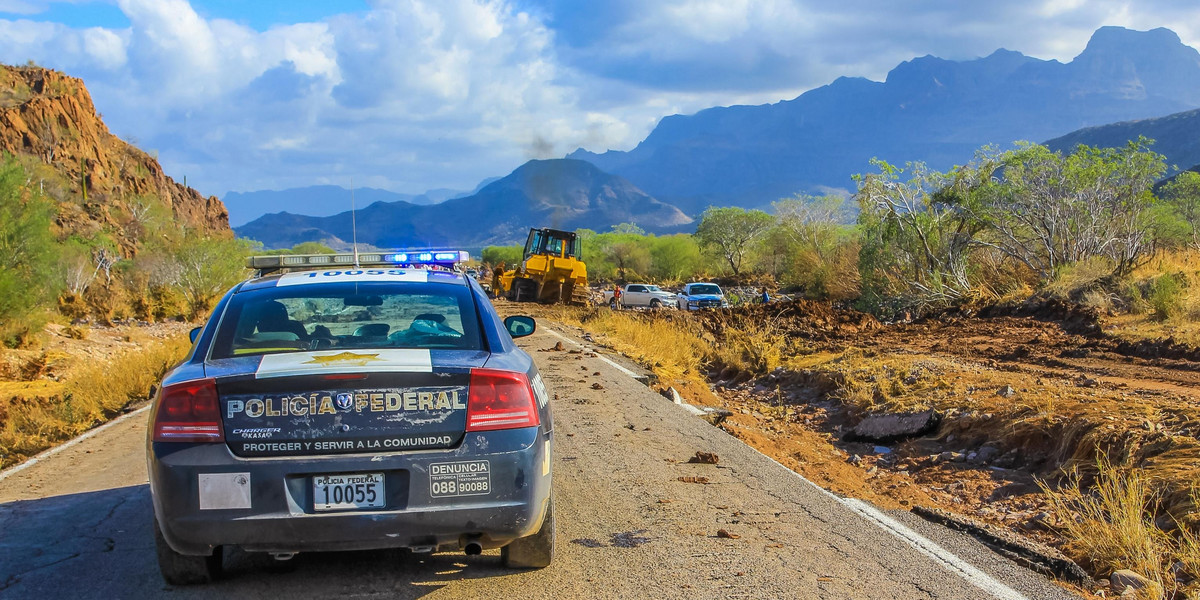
(427, 257)
(444, 259)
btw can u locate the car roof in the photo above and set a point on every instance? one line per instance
(319, 277)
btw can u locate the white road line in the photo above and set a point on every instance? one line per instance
(940, 555)
(948, 560)
(55, 450)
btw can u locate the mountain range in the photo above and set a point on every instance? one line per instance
(1175, 136)
(561, 193)
(928, 109)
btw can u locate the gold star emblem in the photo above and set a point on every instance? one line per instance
(344, 358)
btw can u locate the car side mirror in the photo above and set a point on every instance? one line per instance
(194, 333)
(519, 325)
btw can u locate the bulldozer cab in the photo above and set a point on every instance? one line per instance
(552, 242)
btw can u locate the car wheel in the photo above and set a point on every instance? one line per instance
(535, 551)
(655, 303)
(181, 569)
(612, 304)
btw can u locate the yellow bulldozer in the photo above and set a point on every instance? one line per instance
(551, 270)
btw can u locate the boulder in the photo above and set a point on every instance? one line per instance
(1124, 580)
(890, 427)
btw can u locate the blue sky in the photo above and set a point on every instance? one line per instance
(411, 95)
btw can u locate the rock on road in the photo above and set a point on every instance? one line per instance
(630, 524)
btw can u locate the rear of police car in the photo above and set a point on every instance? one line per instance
(327, 408)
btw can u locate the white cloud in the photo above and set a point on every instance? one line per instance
(21, 7)
(417, 94)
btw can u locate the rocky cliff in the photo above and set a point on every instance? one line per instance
(50, 116)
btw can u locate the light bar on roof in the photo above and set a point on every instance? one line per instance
(369, 259)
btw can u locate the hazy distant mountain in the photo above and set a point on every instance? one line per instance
(562, 193)
(324, 200)
(929, 109)
(1176, 137)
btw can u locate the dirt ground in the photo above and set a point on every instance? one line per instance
(1025, 391)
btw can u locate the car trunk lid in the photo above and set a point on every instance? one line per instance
(313, 403)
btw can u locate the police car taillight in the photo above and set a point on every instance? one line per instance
(188, 412)
(500, 400)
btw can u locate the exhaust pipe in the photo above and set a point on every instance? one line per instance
(283, 556)
(473, 549)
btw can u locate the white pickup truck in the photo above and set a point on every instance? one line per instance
(640, 294)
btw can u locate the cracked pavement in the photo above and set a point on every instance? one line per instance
(78, 524)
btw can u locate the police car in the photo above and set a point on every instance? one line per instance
(343, 402)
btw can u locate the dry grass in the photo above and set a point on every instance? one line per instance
(1178, 319)
(748, 344)
(1111, 523)
(40, 414)
(1112, 527)
(672, 350)
(1072, 281)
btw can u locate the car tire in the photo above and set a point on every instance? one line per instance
(181, 569)
(655, 303)
(612, 303)
(535, 551)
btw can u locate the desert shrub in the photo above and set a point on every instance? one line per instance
(1166, 295)
(1072, 280)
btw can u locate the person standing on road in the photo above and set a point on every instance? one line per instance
(496, 279)
(617, 297)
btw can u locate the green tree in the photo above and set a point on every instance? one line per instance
(915, 240)
(674, 257)
(509, 255)
(1181, 196)
(28, 253)
(731, 232)
(628, 255)
(1048, 210)
(311, 248)
(207, 267)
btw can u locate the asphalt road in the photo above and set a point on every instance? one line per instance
(78, 524)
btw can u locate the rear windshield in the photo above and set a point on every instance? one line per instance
(707, 288)
(350, 315)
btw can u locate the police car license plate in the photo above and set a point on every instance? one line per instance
(348, 491)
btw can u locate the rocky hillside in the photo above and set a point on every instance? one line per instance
(565, 194)
(50, 116)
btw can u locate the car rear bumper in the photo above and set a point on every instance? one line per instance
(280, 517)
